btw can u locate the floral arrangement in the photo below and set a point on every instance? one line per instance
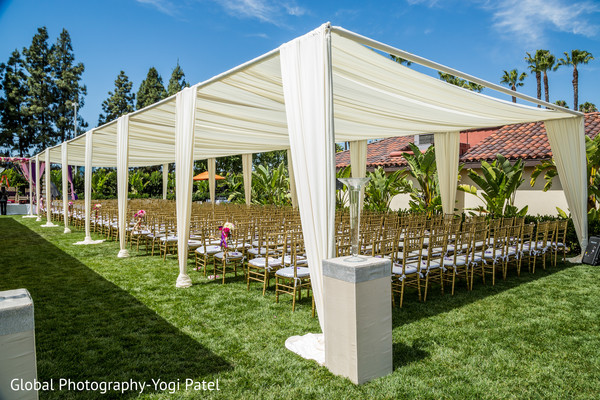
(97, 208)
(225, 231)
(70, 207)
(140, 214)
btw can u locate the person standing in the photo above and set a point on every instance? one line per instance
(3, 200)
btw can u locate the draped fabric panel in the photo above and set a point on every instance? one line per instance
(165, 176)
(306, 77)
(358, 158)
(212, 166)
(89, 146)
(37, 186)
(247, 175)
(567, 141)
(184, 173)
(447, 152)
(123, 181)
(48, 189)
(293, 192)
(30, 188)
(65, 186)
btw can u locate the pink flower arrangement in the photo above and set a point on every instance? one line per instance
(140, 214)
(225, 231)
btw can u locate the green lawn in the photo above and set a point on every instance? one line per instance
(100, 318)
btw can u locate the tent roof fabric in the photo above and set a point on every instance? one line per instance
(243, 111)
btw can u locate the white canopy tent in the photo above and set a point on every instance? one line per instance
(318, 89)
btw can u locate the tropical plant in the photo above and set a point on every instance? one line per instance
(498, 182)
(341, 194)
(382, 188)
(513, 80)
(104, 183)
(270, 186)
(235, 188)
(460, 82)
(138, 181)
(547, 63)
(400, 60)
(422, 167)
(561, 103)
(575, 58)
(588, 107)
(592, 151)
(535, 68)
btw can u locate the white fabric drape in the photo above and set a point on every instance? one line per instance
(293, 192)
(447, 152)
(567, 141)
(87, 190)
(358, 158)
(37, 187)
(184, 173)
(306, 75)
(123, 181)
(165, 173)
(47, 172)
(212, 167)
(247, 174)
(65, 186)
(30, 189)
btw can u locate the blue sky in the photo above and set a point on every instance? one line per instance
(207, 37)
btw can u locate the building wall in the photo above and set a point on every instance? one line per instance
(539, 202)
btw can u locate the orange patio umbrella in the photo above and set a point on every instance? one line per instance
(204, 177)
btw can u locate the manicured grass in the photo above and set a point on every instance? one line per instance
(100, 318)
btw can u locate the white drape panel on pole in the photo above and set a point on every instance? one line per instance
(30, 189)
(65, 185)
(247, 174)
(48, 187)
(567, 141)
(165, 172)
(306, 76)
(293, 192)
(358, 158)
(37, 187)
(212, 167)
(87, 190)
(184, 173)
(447, 149)
(123, 181)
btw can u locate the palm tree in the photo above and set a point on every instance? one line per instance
(400, 60)
(561, 103)
(534, 67)
(513, 80)
(588, 107)
(548, 61)
(576, 57)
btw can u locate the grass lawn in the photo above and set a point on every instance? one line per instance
(100, 318)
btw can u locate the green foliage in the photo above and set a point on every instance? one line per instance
(422, 167)
(592, 151)
(534, 64)
(588, 107)
(67, 89)
(104, 183)
(151, 89)
(270, 186)
(341, 195)
(119, 102)
(561, 103)
(138, 180)
(573, 59)
(270, 159)
(513, 80)
(498, 183)
(460, 82)
(177, 81)
(235, 188)
(382, 188)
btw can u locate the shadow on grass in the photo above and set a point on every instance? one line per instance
(438, 303)
(87, 328)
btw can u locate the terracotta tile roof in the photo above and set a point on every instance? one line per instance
(526, 141)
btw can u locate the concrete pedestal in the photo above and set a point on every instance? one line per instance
(358, 318)
(17, 344)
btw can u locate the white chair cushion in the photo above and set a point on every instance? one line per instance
(254, 251)
(209, 250)
(287, 260)
(262, 262)
(288, 272)
(232, 255)
(449, 261)
(408, 270)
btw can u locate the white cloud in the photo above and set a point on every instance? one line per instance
(530, 19)
(264, 10)
(164, 6)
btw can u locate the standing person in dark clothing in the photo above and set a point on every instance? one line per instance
(3, 200)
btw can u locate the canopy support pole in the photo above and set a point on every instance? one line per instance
(65, 185)
(247, 175)
(37, 188)
(48, 223)
(123, 181)
(165, 176)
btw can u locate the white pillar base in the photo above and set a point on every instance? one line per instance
(49, 225)
(29, 216)
(67, 230)
(124, 253)
(310, 346)
(38, 219)
(183, 281)
(88, 240)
